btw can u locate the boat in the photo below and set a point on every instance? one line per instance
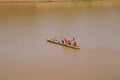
(62, 44)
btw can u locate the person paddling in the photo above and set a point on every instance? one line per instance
(74, 42)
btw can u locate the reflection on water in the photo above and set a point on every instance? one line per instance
(26, 55)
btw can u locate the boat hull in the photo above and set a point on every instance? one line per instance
(58, 43)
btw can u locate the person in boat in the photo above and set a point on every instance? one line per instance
(62, 41)
(74, 42)
(69, 42)
(55, 39)
(66, 41)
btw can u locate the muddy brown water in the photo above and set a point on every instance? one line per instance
(26, 55)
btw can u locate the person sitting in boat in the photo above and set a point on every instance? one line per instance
(74, 42)
(62, 41)
(66, 41)
(55, 39)
(69, 42)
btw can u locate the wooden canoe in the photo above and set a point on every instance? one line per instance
(57, 42)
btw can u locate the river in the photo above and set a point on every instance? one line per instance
(26, 55)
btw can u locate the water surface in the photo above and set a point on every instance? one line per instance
(26, 55)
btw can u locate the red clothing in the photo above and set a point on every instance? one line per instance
(66, 41)
(74, 41)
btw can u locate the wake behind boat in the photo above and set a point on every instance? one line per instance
(62, 44)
